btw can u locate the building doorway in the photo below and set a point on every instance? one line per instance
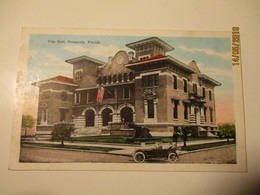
(126, 114)
(106, 116)
(90, 118)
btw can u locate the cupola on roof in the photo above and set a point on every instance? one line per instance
(150, 41)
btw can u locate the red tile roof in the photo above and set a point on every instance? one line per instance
(60, 78)
(152, 58)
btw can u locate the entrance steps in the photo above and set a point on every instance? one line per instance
(86, 131)
(209, 134)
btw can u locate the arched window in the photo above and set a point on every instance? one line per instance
(119, 78)
(125, 77)
(104, 80)
(109, 79)
(114, 79)
(126, 114)
(106, 116)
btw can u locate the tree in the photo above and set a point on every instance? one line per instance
(61, 132)
(177, 132)
(27, 122)
(185, 130)
(227, 130)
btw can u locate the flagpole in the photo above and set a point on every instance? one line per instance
(108, 91)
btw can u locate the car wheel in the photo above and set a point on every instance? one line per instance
(172, 157)
(139, 157)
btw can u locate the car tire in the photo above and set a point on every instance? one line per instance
(139, 157)
(172, 157)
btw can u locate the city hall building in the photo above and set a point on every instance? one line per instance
(145, 86)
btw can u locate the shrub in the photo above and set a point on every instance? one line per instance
(227, 130)
(61, 131)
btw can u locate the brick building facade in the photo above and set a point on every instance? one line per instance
(146, 86)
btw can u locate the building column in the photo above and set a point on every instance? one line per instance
(155, 108)
(145, 109)
(113, 116)
(202, 116)
(192, 110)
(198, 116)
(118, 115)
(192, 115)
(98, 120)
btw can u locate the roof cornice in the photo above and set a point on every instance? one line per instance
(154, 39)
(53, 81)
(172, 59)
(80, 58)
(207, 78)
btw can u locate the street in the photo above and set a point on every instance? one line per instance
(223, 155)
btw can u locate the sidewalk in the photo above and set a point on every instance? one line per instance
(129, 151)
(124, 149)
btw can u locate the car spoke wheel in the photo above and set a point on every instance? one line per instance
(172, 157)
(139, 157)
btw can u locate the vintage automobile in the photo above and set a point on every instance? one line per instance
(159, 150)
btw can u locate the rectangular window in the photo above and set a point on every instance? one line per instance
(174, 82)
(156, 79)
(185, 88)
(203, 92)
(150, 106)
(144, 57)
(210, 95)
(144, 81)
(90, 96)
(150, 80)
(63, 115)
(175, 108)
(205, 113)
(126, 93)
(211, 114)
(195, 90)
(77, 98)
(109, 93)
(78, 75)
(185, 111)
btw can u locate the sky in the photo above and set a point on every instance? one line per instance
(47, 54)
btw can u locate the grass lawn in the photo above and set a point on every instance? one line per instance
(102, 139)
(205, 146)
(70, 147)
(125, 140)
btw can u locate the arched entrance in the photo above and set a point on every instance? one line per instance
(106, 116)
(90, 118)
(126, 114)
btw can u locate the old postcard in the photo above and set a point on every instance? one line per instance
(129, 100)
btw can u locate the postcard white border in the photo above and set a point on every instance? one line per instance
(14, 163)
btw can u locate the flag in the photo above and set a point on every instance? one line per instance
(100, 94)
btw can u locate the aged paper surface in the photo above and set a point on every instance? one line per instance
(202, 59)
